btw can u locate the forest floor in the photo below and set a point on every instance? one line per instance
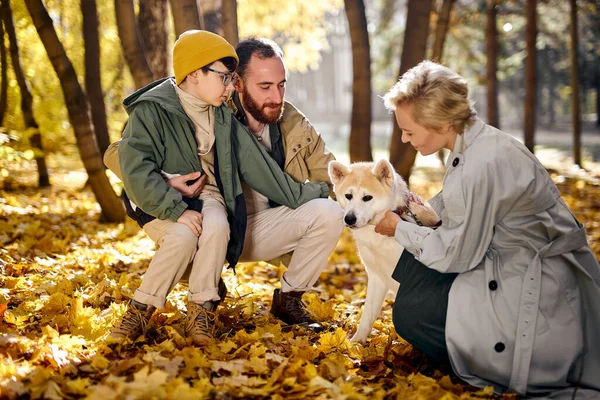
(65, 279)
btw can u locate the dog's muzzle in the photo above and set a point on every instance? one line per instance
(350, 219)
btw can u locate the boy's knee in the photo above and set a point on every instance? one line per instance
(216, 227)
(182, 237)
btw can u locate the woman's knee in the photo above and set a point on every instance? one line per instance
(403, 321)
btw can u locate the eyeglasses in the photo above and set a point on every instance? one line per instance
(227, 76)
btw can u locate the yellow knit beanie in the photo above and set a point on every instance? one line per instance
(195, 49)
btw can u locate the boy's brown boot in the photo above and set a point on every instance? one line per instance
(289, 308)
(134, 321)
(200, 325)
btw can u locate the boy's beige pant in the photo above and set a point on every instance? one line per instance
(311, 231)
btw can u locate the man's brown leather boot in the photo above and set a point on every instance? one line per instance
(289, 308)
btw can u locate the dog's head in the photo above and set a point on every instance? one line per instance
(366, 190)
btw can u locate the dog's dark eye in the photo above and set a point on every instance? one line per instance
(367, 198)
(349, 196)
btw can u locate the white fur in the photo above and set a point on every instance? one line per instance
(379, 253)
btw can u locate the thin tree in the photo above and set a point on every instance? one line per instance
(402, 155)
(229, 21)
(441, 31)
(155, 36)
(552, 80)
(360, 125)
(131, 43)
(35, 140)
(79, 113)
(491, 44)
(597, 83)
(575, 109)
(4, 77)
(93, 81)
(530, 74)
(211, 14)
(186, 15)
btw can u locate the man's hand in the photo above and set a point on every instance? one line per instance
(387, 226)
(180, 183)
(193, 220)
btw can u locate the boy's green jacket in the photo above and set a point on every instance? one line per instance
(159, 137)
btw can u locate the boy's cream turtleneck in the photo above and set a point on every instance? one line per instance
(203, 116)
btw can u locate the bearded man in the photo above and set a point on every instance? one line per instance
(303, 237)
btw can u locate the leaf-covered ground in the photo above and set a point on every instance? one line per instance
(65, 279)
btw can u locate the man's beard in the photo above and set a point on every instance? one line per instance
(258, 112)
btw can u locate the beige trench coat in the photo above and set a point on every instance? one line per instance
(525, 306)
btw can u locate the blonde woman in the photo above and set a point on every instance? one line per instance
(507, 287)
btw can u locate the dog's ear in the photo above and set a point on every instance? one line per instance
(337, 171)
(384, 171)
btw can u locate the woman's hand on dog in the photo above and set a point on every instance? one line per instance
(387, 226)
(414, 198)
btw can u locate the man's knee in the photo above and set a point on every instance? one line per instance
(329, 213)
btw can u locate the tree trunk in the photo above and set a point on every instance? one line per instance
(360, 125)
(210, 11)
(229, 21)
(575, 110)
(441, 30)
(597, 83)
(154, 35)
(93, 81)
(35, 140)
(552, 79)
(131, 43)
(530, 70)
(491, 44)
(402, 155)
(79, 113)
(186, 15)
(4, 77)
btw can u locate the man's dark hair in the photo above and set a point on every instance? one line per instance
(263, 48)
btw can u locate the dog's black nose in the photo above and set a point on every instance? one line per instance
(350, 219)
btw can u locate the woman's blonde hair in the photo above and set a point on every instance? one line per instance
(439, 97)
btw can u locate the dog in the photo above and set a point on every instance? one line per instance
(366, 191)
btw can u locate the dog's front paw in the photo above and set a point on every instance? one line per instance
(359, 337)
(424, 213)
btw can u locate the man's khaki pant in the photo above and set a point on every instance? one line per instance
(311, 232)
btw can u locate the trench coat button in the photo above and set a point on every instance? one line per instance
(294, 150)
(493, 285)
(455, 162)
(499, 347)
